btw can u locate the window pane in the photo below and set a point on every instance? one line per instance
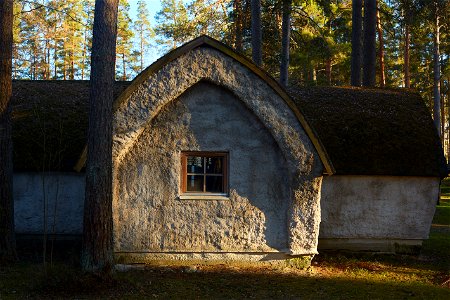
(194, 183)
(214, 165)
(214, 184)
(194, 164)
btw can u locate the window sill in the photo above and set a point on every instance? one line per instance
(204, 197)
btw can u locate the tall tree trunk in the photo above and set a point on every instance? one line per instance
(238, 26)
(328, 70)
(256, 32)
(55, 54)
(442, 121)
(64, 66)
(72, 64)
(7, 235)
(381, 48)
(448, 130)
(369, 46)
(97, 249)
(285, 39)
(48, 66)
(72, 69)
(141, 37)
(83, 57)
(34, 69)
(124, 75)
(406, 66)
(356, 42)
(437, 73)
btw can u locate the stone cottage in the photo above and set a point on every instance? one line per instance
(213, 159)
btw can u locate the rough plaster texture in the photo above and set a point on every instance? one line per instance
(377, 207)
(64, 194)
(275, 172)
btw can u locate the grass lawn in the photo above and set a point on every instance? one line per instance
(331, 276)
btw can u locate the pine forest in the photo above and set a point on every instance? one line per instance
(52, 40)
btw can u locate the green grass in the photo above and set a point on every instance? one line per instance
(332, 276)
(342, 279)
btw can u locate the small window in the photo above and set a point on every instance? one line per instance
(204, 173)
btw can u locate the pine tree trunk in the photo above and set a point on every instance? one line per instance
(7, 235)
(448, 130)
(369, 46)
(97, 249)
(328, 70)
(238, 25)
(55, 56)
(256, 32)
(286, 36)
(437, 74)
(141, 36)
(64, 67)
(406, 52)
(356, 43)
(72, 70)
(48, 66)
(380, 49)
(442, 120)
(124, 75)
(85, 46)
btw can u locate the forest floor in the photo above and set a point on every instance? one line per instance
(331, 276)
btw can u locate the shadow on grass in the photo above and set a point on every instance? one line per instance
(62, 281)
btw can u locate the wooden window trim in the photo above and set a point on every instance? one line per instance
(204, 154)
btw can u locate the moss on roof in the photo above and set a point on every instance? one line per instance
(50, 121)
(373, 131)
(364, 131)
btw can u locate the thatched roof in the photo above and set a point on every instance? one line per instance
(373, 131)
(364, 132)
(50, 123)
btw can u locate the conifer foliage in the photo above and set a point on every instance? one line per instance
(52, 40)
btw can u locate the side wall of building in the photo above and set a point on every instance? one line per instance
(59, 196)
(376, 212)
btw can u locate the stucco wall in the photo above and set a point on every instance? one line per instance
(64, 194)
(378, 207)
(158, 88)
(149, 216)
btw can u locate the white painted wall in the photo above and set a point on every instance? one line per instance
(64, 194)
(358, 212)
(378, 207)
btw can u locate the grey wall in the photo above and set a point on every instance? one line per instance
(378, 207)
(149, 215)
(152, 94)
(63, 194)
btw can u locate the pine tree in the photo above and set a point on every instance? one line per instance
(144, 32)
(88, 20)
(382, 77)
(286, 36)
(97, 249)
(256, 32)
(356, 42)
(173, 26)
(369, 45)
(124, 41)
